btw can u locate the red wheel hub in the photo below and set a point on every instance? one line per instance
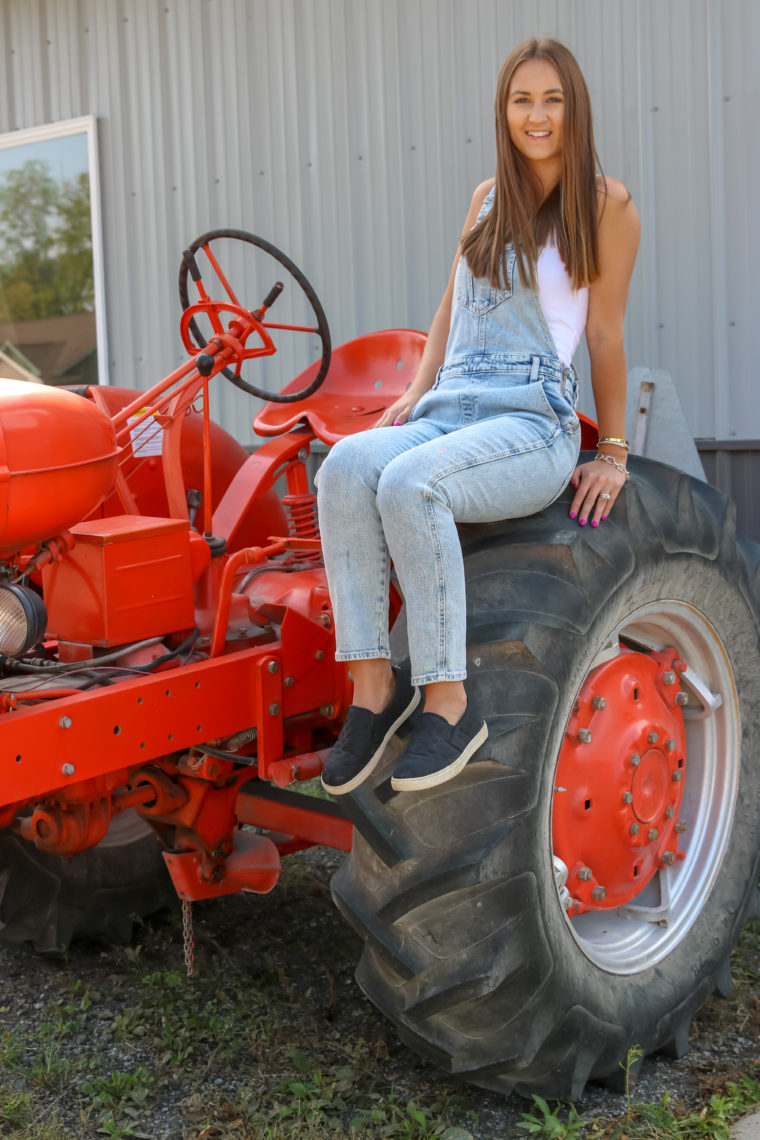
(619, 780)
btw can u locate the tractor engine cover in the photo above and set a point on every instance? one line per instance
(57, 462)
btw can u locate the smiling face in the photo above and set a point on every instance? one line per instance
(536, 113)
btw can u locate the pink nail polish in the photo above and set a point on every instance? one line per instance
(604, 518)
(595, 523)
(583, 522)
(575, 486)
(572, 516)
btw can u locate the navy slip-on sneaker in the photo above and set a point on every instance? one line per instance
(364, 736)
(437, 750)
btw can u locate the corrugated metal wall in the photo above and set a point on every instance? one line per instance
(352, 132)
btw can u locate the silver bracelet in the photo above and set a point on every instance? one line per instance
(621, 467)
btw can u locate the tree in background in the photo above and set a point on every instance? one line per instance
(45, 244)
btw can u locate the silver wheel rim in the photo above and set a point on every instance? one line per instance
(639, 935)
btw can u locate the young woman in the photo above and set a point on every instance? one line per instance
(487, 430)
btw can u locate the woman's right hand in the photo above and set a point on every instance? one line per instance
(399, 411)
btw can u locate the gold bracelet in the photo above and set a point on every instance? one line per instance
(621, 467)
(613, 439)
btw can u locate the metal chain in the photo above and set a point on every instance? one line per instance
(187, 936)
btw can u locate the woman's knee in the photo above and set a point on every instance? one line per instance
(403, 485)
(341, 465)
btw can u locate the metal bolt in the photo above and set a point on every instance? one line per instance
(669, 745)
(272, 667)
(599, 893)
(65, 722)
(303, 454)
(681, 826)
(668, 677)
(676, 776)
(68, 769)
(598, 703)
(274, 708)
(652, 833)
(327, 710)
(670, 811)
(635, 759)
(585, 874)
(668, 858)
(652, 738)
(682, 698)
(627, 797)
(634, 829)
(288, 682)
(320, 654)
(584, 735)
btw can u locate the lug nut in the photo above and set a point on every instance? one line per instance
(584, 735)
(634, 829)
(652, 738)
(68, 769)
(668, 677)
(635, 759)
(676, 776)
(627, 797)
(668, 858)
(669, 745)
(681, 826)
(670, 811)
(682, 698)
(598, 703)
(599, 893)
(652, 833)
(584, 874)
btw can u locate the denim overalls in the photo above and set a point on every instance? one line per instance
(496, 437)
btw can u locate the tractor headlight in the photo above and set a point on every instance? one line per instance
(23, 619)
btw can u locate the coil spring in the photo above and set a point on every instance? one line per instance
(301, 511)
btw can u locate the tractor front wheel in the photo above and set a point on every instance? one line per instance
(49, 900)
(577, 890)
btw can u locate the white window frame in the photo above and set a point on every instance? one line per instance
(87, 125)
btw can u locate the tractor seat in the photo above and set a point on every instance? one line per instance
(365, 376)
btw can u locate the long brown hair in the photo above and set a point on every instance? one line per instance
(518, 215)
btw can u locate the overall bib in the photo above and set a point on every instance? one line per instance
(496, 437)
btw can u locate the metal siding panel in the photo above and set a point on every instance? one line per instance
(254, 114)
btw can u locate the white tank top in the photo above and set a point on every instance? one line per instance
(565, 308)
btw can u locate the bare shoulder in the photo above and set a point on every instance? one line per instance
(618, 217)
(481, 191)
(478, 198)
(612, 190)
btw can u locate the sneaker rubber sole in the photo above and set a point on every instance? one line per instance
(421, 783)
(369, 767)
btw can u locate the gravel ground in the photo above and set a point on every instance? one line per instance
(273, 1038)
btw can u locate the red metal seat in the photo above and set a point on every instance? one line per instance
(366, 375)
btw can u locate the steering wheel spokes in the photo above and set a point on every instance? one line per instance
(303, 315)
(230, 340)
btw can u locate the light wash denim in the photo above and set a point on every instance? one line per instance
(496, 437)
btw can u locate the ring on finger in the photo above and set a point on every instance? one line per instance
(605, 495)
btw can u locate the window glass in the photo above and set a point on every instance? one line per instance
(51, 311)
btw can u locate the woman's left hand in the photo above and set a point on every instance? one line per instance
(597, 485)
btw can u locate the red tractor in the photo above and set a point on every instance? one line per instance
(168, 680)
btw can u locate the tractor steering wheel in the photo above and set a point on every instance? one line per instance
(314, 323)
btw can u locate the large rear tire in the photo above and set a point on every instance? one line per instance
(469, 948)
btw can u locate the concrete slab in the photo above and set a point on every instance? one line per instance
(747, 1129)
